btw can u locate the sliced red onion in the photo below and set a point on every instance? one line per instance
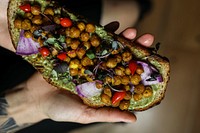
(88, 89)
(150, 75)
(26, 46)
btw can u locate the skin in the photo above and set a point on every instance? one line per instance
(42, 101)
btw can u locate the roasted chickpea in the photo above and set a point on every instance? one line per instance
(135, 79)
(36, 10)
(74, 32)
(87, 45)
(139, 89)
(108, 79)
(99, 85)
(115, 52)
(89, 79)
(124, 105)
(73, 72)
(33, 28)
(127, 87)
(68, 40)
(37, 20)
(67, 32)
(74, 44)
(127, 71)
(111, 63)
(86, 61)
(85, 36)
(28, 34)
(139, 70)
(26, 24)
(90, 28)
(126, 56)
(125, 80)
(119, 70)
(81, 26)
(80, 53)
(49, 11)
(54, 51)
(116, 104)
(28, 15)
(82, 72)
(56, 19)
(107, 91)
(105, 99)
(128, 95)
(40, 41)
(18, 23)
(116, 80)
(95, 41)
(71, 53)
(74, 64)
(148, 92)
(119, 58)
(137, 97)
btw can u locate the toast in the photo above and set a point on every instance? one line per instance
(73, 54)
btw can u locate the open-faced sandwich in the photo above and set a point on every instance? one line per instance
(74, 54)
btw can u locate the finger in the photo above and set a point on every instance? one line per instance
(146, 40)
(112, 27)
(129, 33)
(109, 115)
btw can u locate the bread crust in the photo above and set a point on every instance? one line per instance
(139, 51)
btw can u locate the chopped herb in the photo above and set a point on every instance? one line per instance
(88, 72)
(90, 54)
(61, 39)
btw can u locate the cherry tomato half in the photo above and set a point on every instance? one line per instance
(44, 51)
(65, 22)
(62, 56)
(118, 96)
(25, 7)
(132, 66)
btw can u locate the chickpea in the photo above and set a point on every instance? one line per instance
(125, 80)
(36, 10)
(87, 45)
(74, 64)
(26, 24)
(127, 71)
(68, 40)
(82, 72)
(54, 52)
(67, 32)
(119, 58)
(95, 41)
(33, 28)
(105, 99)
(99, 85)
(139, 70)
(119, 71)
(108, 79)
(135, 79)
(90, 28)
(80, 53)
(124, 105)
(116, 104)
(81, 26)
(107, 91)
(28, 15)
(74, 32)
(37, 20)
(40, 41)
(126, 56)
(139, 89)
(71, 53)
(49, 11)
(148, 92)
(73, 72)
(89, 79)
(56, 19)
(111, 63)
(74, 44)
(116, 80)
(87, 61)
(127, 87)
(28, 34)
(137, 97)
(85, 36)
(18, 23)
(128, 95)
(115, 52)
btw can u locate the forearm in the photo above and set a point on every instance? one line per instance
(17, 110)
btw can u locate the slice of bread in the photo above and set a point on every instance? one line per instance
(140, 52)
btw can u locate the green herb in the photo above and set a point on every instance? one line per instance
(61, 39)
(90, 54)
(104, 52)
(88, 72)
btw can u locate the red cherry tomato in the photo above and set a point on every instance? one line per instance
(65, 22)
(132, 66)
(118, 96)
(62, 56)
(44, 51)
(25, 7)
